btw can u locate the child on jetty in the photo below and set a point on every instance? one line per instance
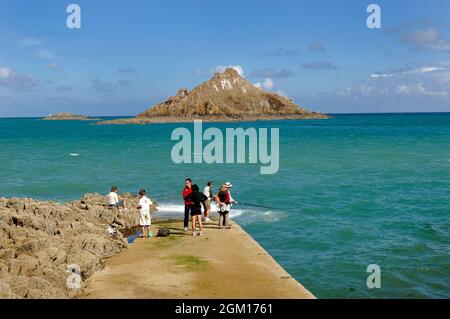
(145, 218)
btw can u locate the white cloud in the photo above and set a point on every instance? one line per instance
(283, 53)
(279, 92)
(222, 68)
(408, 70)
(45, 54)
(319, 65)
(402, 90)
(108, 87)
(268, 84)
(272, 73)
(317, 47)
(9, 78)
(127, 70)
(348, 91)
(431, 91)
(366, 89)
(427, 69)
(431, 80)
(5, 72)
(30, 42)
(381, 75)
(63, 88)
(425, 39)
(54, 67)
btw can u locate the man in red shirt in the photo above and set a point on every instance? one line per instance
(187, 204)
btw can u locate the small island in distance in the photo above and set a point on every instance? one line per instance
(226, 97)
(67, 116)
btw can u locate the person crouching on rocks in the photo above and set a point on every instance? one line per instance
(145, 219)
(196, 198)
(113, 200)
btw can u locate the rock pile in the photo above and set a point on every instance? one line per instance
(42, 242)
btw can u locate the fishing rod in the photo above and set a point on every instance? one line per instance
(262, 206)
(258, 206)
(273, 208)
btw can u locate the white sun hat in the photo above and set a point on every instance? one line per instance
(228, 184)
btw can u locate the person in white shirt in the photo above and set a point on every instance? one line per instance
(113, 200)
(208, 193)
(145, 220)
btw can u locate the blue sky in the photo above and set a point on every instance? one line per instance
(129, 55)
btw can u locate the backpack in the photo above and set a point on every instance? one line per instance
(163, 232)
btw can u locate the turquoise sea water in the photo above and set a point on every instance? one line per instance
(352, 191)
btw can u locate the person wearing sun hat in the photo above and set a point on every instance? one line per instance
(228, 185)
(224, 200)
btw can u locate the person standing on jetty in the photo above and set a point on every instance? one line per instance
(196, 198)
(209, 194)
(229, 186)
(145, 219)
(113, 200)
(223, 199)
(187, 204)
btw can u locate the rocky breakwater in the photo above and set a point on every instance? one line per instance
(43, 243)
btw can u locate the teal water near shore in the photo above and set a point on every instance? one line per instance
(353, 190)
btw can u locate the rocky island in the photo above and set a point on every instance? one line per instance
(226, 97)
(66, 116)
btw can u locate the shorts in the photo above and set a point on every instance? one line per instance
(145, 219)
(224, 208)
(195, 211)
(119, 203)
(208, 204)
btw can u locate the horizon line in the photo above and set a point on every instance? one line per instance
(339, 113)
